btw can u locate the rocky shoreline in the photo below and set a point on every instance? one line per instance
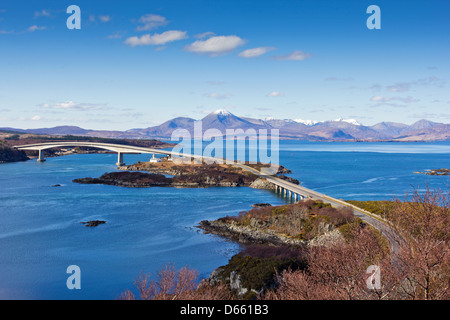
(435, 172)
(246, 235)
(273, 239)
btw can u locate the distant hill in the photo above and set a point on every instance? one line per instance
(219, 121)
(165, 129)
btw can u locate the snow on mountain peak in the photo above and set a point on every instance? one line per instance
(351, 121)
(306, 122)
(222, 112)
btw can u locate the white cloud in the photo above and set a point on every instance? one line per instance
(255, 52)
(423, 82)
(275, 94)
(218, 95)
(204, 35)
(216, 45)
(36, 28)
(151, 21)
(42, 13)
(296, 55)
(157, 38)
(74, 106)
(36, 118)
(387, 99)
(104, 18)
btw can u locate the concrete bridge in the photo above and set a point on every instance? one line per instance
(119, 148)
(281, 187)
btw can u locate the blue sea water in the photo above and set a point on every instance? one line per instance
(41, 234)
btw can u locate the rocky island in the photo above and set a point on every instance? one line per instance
(194, 175)
(93, 223)
(436, 172)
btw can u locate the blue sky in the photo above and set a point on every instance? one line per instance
(136, 64)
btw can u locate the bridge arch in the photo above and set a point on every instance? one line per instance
(119, 148)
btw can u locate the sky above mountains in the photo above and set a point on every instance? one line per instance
(139, 63)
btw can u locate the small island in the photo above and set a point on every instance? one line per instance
(167, 173)
(93, 223)
(435, 172)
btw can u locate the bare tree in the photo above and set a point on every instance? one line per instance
(423, 254)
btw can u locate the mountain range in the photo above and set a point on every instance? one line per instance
(333, 130)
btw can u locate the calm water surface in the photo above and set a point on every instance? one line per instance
(41, 234)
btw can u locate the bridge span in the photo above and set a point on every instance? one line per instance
(281, 187)
(119, 148)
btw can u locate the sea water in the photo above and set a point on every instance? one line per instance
(41, 232)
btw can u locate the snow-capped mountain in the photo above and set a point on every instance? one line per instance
(351, 121)
(314, 122)
(306, 122)
(332, 130)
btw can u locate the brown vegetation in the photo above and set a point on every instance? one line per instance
(303, 220)
(418, 269)
(172, 284)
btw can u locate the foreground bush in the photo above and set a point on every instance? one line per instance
(417, 268)
(172, 284)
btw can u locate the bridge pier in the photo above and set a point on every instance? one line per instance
(120, 159)
(41, 156)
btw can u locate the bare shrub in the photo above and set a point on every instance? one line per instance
(423, 248)
(172, 284)
(418, 268)
(338, 216)
(333, 273)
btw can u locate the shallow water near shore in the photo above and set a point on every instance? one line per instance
(41, 234)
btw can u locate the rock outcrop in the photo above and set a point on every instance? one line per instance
(436, 172)
(8, 154)
(93, 223)
(262, 183)
(247, 235)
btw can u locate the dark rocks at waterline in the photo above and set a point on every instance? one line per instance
(289, 179)
(143, 180)
(93, 223)
(245, 235)
(261, 205)
(128, 179)
(56, 185)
